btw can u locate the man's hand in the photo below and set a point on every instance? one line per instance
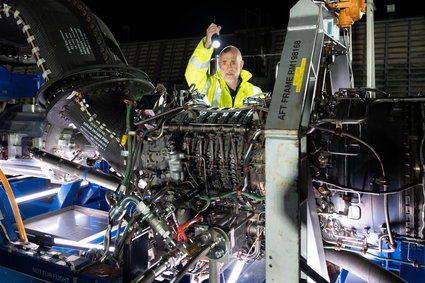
(211, 30)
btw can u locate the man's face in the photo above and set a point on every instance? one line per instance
(230, 65)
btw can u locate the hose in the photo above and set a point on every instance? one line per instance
(15, 208)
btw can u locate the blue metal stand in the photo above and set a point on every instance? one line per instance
(18, 85)
(65, 196)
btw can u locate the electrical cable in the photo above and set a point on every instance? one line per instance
(129, 147)
(15, 208)
(5, 232)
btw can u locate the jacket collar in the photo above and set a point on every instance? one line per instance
(244, 75)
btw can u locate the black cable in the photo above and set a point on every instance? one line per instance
(310, 272)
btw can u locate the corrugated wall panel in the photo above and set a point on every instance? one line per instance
(164, 61)
(399, 53)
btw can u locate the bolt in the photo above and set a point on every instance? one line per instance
(218, 253)
(204, 238)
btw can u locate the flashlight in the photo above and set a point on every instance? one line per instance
(215, 41)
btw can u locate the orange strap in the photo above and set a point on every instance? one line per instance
(15, 208)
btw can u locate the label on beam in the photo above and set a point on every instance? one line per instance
(299, 75)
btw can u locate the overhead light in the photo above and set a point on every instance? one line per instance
(79, 244)
(390, 8)
(43, 194)
(38, 195)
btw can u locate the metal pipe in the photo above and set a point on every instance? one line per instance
(419, 99)
(384, 176)
(87, 173)
(380, 249)
(387, 221)
(166, 262)
(195, 127)
(370, 46)
(340, 188)
(247, 158)
(369, 247)
(205, 170)
(119, 210)
(158, 116)
(343, 134)
(361, 266)
(214, 272)
(192, 261)
(251, 146)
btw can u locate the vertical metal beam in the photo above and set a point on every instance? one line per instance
(370, 46)
(289, 112)
(282, 206)
(300, 77)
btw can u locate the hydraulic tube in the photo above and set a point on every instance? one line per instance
(87, 173)
(155, 222)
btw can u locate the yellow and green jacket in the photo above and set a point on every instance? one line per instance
(213, 86)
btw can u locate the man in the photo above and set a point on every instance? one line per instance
(229, 85)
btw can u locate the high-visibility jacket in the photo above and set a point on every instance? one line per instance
(214, 87)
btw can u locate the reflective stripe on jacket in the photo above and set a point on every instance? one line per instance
(213, 86)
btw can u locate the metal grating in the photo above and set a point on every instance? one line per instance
(164, 61)
(399, 56)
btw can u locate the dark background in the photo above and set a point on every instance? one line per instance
(134, 21)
